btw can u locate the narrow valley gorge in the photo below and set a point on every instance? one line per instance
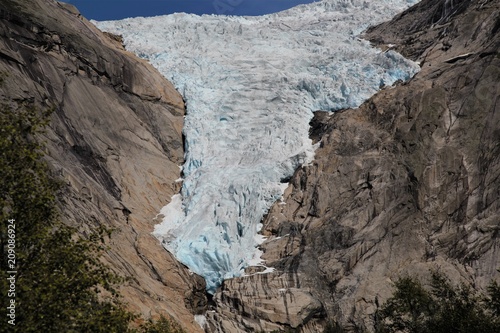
(406, 183)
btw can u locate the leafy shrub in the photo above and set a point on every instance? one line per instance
(443, 308)
(163, 325)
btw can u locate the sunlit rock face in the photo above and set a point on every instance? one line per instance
(251, 85)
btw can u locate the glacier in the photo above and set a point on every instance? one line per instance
(251, 85)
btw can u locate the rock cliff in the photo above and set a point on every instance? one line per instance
(114, 139)
(406, 183)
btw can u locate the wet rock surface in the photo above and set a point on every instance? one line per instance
(406, 183)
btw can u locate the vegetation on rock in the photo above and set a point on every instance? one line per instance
(162, 325)
(442, 308)
(60, 283)
(59, 279)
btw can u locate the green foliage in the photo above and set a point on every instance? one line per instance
(443, 308)
(163, 325)
(409, 306)
(61, 285)
(493, 301)
(334, 328)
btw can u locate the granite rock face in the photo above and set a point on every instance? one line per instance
(114, 139)
(408, 182)
(266, 302)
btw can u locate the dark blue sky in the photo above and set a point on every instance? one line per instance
(118, 9)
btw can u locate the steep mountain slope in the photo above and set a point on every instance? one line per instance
(114, 139)
(251, 85)
(406, 183)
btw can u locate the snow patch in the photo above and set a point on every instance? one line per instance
(201, 320)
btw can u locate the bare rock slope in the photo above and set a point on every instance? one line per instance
(114, 139)
(408, 182)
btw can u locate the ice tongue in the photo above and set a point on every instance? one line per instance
(251, 85)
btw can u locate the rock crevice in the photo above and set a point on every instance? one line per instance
(406, 183)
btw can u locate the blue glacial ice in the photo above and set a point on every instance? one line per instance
(251, 85)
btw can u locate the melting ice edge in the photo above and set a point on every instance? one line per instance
(251, 85)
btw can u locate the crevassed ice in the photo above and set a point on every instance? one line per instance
(251, 85)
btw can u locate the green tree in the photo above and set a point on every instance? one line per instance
(162, 325)
(409, 307)
(443, 308)
(60, 283)
(493, 299)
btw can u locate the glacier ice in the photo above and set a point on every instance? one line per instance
(251, 85)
